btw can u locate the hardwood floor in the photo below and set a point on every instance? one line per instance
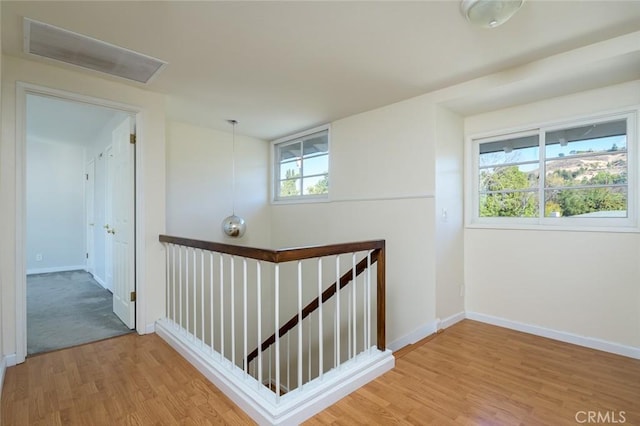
(472, 374)
(478, 374)
(128, 380)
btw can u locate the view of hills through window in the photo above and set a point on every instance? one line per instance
(585, 173)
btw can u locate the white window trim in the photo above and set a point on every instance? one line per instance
(629, 224)
(319, 198)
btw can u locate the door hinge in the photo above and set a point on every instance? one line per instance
(87, 176)
(133, 296)
(132, 138)
(87, 255)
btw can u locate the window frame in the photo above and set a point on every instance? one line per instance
(472, 191)
(275, 167)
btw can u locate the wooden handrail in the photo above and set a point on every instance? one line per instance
(275, 256)
(314, 304)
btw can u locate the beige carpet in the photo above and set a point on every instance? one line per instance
(66, 309)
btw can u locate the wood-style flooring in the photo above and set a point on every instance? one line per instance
(471, 374)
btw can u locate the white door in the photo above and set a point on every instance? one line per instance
(90, 215)
(108, 219)
(123, 223)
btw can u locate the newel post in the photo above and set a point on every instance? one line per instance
(381, 293)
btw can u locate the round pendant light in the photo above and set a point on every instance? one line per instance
(489, 13)
(233, 226)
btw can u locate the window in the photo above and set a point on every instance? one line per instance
(573, 174)
(302, 166)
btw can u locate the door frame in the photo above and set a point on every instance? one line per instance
(22, 90)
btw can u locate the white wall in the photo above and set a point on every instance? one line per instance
(55, 206)
(150, 163)
(381, 187)
(449, 214)
(584, 283)
(199, 184)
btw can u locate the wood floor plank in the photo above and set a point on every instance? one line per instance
(471, 374)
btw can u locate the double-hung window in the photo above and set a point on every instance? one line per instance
(301, 169)
(581, 173)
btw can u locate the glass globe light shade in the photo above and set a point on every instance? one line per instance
(234, 226)
(489, 13)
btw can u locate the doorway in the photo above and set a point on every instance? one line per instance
(80, 222)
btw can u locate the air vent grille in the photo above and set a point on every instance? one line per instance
(76, 49)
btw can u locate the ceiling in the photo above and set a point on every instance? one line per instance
(281, 67)
(57, 120)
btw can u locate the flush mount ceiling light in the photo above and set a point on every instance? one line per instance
(489, 13)
(76, 49)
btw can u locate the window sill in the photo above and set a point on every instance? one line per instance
(301, 200)
(548, 227)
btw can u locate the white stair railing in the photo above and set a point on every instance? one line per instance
(279, 321)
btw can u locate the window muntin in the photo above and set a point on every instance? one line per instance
(575, 174)
(302, 166)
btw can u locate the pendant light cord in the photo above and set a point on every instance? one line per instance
(233, 168)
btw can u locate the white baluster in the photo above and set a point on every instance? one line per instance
(355, 310)
(233, 309)
(320, 342)
(299, 324)
(277, 316)
(202, 296)
(186, 287)
(244, 311)
(166, 281)
(173, 279)
(368, 302)
(289, 361)
(180, 284)
(259, 308)
(221, 306)
(212, 311)
(195, 296)
(309, 349)
(337, 363)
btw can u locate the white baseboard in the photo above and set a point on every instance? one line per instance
(56, 269)
(150, 328)
(3, 368)
(257, 401)
(6, 362)
(10, 360)
(450, 320)
(99, 281)
(417, 334)
(563, 336)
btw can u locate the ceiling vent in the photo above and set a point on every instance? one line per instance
(76, 49)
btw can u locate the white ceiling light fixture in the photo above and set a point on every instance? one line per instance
(489, 13)
(77, 49)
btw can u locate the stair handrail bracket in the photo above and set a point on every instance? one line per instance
(284, 333)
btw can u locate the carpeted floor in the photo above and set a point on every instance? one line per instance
(66, 309)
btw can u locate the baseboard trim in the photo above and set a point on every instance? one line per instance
(99, 281)
(418, 334)
(450, 320)
(56, 269)
(6, 362)
(294, 407)
(3, 368)
(10, 360)
(563, 336)
(150, 328)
